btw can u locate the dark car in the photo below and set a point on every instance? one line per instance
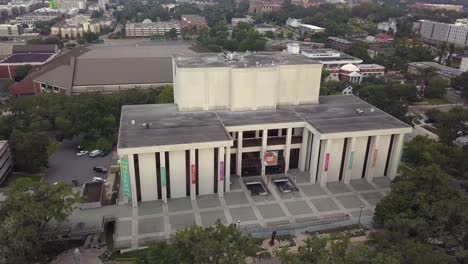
(104, 153)
(99, 169)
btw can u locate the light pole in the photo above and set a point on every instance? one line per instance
(238, 224)
(360, 214)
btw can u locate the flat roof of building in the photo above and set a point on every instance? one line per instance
(25, 58)
(333, 114)
(168, 126)
(241, 60)
(442, 69)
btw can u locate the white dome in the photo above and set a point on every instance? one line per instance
(350, 67)
(147, 21)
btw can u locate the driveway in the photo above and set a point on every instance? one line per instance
(65, 165)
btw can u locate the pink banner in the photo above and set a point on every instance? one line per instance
(327, 161)
(194, 175)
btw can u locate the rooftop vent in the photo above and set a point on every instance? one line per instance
(293, 48)
(372, 110)
(359, 111)
(133, 122)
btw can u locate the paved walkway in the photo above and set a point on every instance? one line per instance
(86, 256)
(157, 221)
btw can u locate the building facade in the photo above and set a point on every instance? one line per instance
(436, 32)
(232, 113)
(7, 30)
(147, 28)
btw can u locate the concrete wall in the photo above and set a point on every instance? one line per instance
(240, 89)
(205, 171)
(334, 164)
(177, 173)
(384, 144)
(359, 156)
(201, 89)
(253, 89)
(299, 84)
(148, 176)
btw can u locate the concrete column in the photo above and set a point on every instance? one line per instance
(264, 148)
(257, 133)
(324, 163)
(314, 155)
(239, 154)
(303, 151)
(221, 171)
(349, 158)
(131, 168)
(162, 162)
(287, 150)
(372, 158)
(280, 132)
(227, 180)
(395, 158)
(234, 135)
(193, 175)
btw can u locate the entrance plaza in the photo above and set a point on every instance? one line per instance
(312, 206)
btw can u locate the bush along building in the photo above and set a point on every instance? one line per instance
(247, 115)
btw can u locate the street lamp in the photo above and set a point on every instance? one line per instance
(238, 224)
(360, 214)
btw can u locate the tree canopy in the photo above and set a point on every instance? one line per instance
(27, 215)
(198, 245)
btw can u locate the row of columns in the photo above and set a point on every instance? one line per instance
(286, 153)
(224, 175)
(324, 146)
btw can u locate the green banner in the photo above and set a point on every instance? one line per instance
(125, 178)
(351, 158)
(163, 176)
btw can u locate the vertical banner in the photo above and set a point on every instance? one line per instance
(125, 178)
(327, 161)
(374, 161)
(194, 175)
(163, 176)
(221, 170)
(351, 159)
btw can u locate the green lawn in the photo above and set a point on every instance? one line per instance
(134, 255)
(17, 175)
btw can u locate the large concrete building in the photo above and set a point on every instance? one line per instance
(251, 114)
(148, 28)
(436, 32)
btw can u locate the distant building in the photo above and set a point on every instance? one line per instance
(436, 32)
(464, 64)
(6, 161)
(40, 15)
(34, 55)
(263, 28)
(390, 25)
(76, 26)
(350, 73)
(311, 29)
(293, 22)
(264, 6)
(11, 30)
(461, 141)
(147, 28)
(442, 71)
(339, 44)
(188, 21)
(71, 4)
(385, 51)
(237, 20)
(433, 7)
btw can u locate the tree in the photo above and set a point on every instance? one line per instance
(197, 245)
(22, 71)
(26, 218)
(270, 34)
(436, 88)
(442, 51)
(461, 83)
(422, 204)
(90, 37)
(29, 150)
(104, 144)
(166, 96)
(331, 88)
(97, 14)
(171, 34)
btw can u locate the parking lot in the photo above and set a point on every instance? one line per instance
(66, 166)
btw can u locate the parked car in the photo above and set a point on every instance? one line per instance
(81, 153)
(95, 153)
(99, 169)
(98, 179)
(105, 153)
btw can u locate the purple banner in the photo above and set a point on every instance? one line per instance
(221, 170)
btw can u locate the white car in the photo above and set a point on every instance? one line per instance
(95, 153)
(81, 153)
